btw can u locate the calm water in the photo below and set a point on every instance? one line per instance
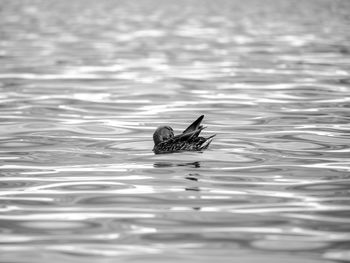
(83, 85)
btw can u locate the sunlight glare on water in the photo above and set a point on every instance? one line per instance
(83, 86)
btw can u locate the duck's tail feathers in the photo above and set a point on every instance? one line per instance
(196, 133)
(207, 142)
(195, 125)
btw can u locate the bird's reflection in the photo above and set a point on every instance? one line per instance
(193, 177)
(173, 164)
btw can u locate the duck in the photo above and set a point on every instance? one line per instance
(189, 140)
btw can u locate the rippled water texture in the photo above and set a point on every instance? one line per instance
(83, 85)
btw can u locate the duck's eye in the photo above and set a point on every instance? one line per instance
(170, 135)
(167, 134)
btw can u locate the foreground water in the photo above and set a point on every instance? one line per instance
(83, 85)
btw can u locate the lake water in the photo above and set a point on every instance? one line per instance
(83, 85)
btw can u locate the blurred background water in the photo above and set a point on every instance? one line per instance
(83, 85)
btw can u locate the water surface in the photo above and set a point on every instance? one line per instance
(83, 85)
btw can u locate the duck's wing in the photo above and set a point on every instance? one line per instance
(188, 136)
(194, 126)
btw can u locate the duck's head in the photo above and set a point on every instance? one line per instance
(162, 134)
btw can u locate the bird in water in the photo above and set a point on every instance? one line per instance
(188, 140)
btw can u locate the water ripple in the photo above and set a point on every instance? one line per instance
(84, 85)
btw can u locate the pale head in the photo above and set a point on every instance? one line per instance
(162, 134)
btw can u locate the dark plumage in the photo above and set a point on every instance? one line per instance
(188, 140)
